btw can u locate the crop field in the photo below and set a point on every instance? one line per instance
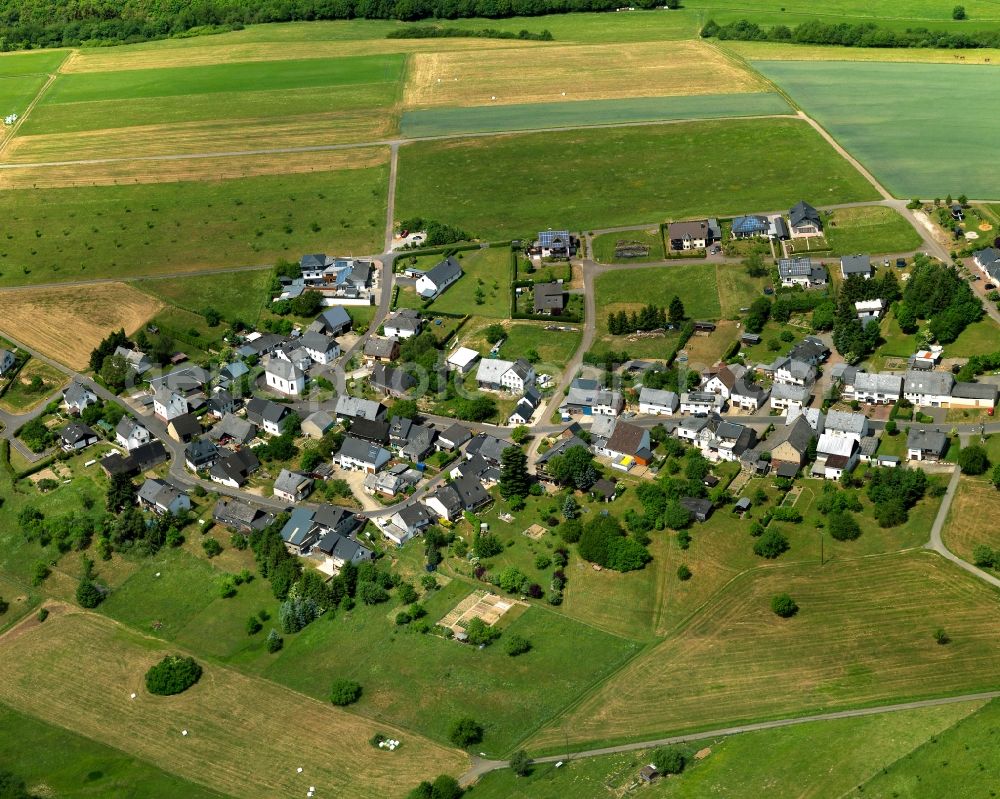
(128, 231)
(778, 51)
(235, 295)
(961, 760)
(67, 325)
(975, 502)
(482, 119)
(59, 672)
(826, 758)
(579, 72)
(872, 229)
(864, 634)
(56, 762)
(909, 144)
(620, 177)
(424, 682)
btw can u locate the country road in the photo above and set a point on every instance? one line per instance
(482, 766)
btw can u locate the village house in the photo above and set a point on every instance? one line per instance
(76, 436)
(220, 403)
(292, 486)
(405, 323)
(350, 408)
(860, 265)
(693, 235)
(699, 508)
(925, 445)
(790, 397)
(316, 424)
(810, 350)
(750, 227)
(525, 408)
(988, 261)
(724, 380)
(793, 372)
(137, 361)
(141, 459)
(928, 389)
(407, 522)
(435, 280)
(381, 350)
(973, 395)
(322, 349)
(200, 454)
(553, 244)
(804, 221)
(268, 415)
(801, 271)
(358, 455)
(333, 321)
(869, 310)
(589, 398)
(872, 388)
(162, 498)
(339, 549)
(657, 402)
(299, 532)
(232, 429)
(231, 373)
(183, 428)
(453, 437)
(628, 446)
(835, 454)
(549, 298)
(130, 434)
(748, 396)
(789, 444)
(233, 469)
(240, 515)
(391, 381)
(716, 438)
(462, 360)
(76, 397)
(169, 404)
(702, 402)
(843, 424)
(451, 500)
(375, 431)
(499, 375)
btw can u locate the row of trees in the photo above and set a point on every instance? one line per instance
(66, 23)
(651, 317)
(437, 234)
(847, 35)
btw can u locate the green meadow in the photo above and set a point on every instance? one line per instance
(17, 92)
(124, 231)
(881, 114)
(31, 63)
(589, 179)
(481, 119)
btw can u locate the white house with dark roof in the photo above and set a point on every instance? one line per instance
(925, 445)
(549, 298)
(292, 486)
(76, 436)
(789, 397)
(553, 244)
(351, 408)
(874, 388)
(835, 455)
(499, 375)
(988, 261)
(267, 415)
(284, 377)
(792, 372)
(802, 271)
(973, 395)
(322, 349)
(930, 389)
(162, 498)
(804, 221)
(724, 380)
(436, 279)
(844, 424)
(76, 397)
(358, 455)
(168, 404)
(691, 235)
(860, 265)
(702, 402)
(130, 434)
(405, 323)
(748, 396)
(657, 402)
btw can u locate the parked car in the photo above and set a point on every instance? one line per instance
(989, 287)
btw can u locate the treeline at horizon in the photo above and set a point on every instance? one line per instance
(29, 24)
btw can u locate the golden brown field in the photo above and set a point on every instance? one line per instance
(123, 58)
(118, 173)
(246, 736)
(863, 634)
(197, 137)
(67, 323)
(582, 72)
(968, 524)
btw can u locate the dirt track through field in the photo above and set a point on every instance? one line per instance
(246, 736)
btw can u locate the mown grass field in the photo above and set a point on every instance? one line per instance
(961, 760)
(864, 634)
(67, 326)
(424, 682)
(486, 270)
(574, 72)
(31, 63)
(59, 671)
(908, 144)
(873, 229)
(975, 502)
(554, 347)
(620, 177)
(55, 762)
(815, 759)
(16, 92)
(126, 231)
(235, 295)
(485, 118)
(604, 246)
